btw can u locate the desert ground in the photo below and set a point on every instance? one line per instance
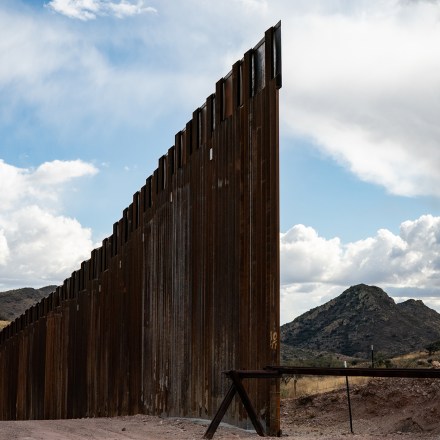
(382, 409)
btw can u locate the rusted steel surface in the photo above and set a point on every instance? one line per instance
(186, 286)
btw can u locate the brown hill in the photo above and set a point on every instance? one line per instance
(361, 316)
(15, 302)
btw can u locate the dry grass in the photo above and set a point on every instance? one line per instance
(414, 355)
(416, 360)
(3, 324)
(308, 385)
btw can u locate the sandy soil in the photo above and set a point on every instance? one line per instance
(383, 409)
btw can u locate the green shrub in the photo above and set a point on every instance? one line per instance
(432, 347)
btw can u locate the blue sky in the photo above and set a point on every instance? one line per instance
(93, 91)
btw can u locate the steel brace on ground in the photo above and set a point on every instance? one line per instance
(276, 372)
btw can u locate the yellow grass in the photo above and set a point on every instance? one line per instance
(3, 324)
(414, 355)
(416, 360)
(308, 385)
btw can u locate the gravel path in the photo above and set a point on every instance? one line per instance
(389, 409)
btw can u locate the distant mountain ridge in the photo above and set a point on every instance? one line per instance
(360, 317)
(15, 302)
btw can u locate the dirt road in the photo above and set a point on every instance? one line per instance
(383, 409)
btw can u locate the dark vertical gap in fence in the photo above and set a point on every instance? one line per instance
(76, 284)
(155, 184)
(130, 221)
(178, 146)
(136, 209)
(189, 140)
(142, 203)
(107, 244)
(203, 124)
(162, 173)
(93, 265)
(196, 130)
(209, 118)
(121, 234)
(184, 147)
(228, 96)
(218, 104)
(269, 54)
(66, 287)
(171, 162)
(88, 274)
(198, 123)
(82, 278)
(63, 291)
(214, 116)
(125, 227)
(58, 296)
(45, 303)
(69, 286)
(81, 281)
(72, 281)
(154, 190)
(114, 239)
(247, 77)
(236, 89)
(100, 262)
(277, 74)
(149, 191)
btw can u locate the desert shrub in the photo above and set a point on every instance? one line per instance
(305, 400)
(432, 347)
(380, 360)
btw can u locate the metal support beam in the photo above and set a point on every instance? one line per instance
(271, 372)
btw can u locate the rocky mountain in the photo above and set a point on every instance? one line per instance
(360, 317)
(15, 302)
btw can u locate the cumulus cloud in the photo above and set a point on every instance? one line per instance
(90, 9)
(306, 256)
(359, 77)
(92, 81)
(4, 249)
(40, 185)
(38, 244)
(57, 172)
(362, 84)
(314, 269)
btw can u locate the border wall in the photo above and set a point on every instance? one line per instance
(187, 286)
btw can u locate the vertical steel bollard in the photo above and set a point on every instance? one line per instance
(349, 402)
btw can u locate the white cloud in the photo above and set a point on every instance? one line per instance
(360, 78)
(39, 245)
(306, 256)
(362, 84)
(314, 269)
(90, 9)
(43, 184)
(75, 82)
(57, 172)
(4, 249)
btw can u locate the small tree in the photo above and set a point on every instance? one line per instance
(382, 361)
(432, 347)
